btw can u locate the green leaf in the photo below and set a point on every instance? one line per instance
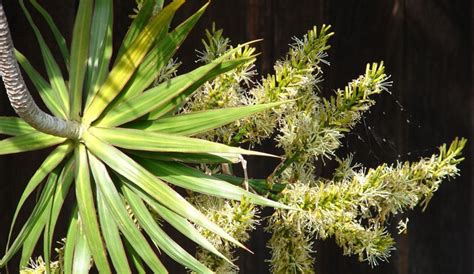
(157, 58)
(100, 48)
(111, 234)
(80, 55)
(14, 126)
(49, 164)
(135, 258)
(178, 222)
(71, 239)
(159, 4)
(195, 180)
(62, 188)
(161, 239)
(129, 62)
(44, 89)
(82, 255)
(227, 64)
(125, 166)
(33, 224)
(121, 217)
(194, 158)
(169, 93)
(138, 24)
(199, 122)
(151, 141)
(87, 212)
(54, 29)
(34, 234)
(28, 142)
(52, 68)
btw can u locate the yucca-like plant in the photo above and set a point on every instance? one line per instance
(125, 132)
(117, 146)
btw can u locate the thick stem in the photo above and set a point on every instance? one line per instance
(19, 96)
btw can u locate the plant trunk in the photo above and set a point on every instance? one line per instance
(19, 96)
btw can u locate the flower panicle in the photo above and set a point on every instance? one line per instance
(236, 218)
(354, 206)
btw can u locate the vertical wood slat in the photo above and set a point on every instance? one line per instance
(471, 138)
(436, 90)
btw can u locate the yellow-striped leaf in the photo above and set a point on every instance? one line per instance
(14, 126)
(199, 122)
(159, 237)
(44, 89)
(125, 166)
(28, 142)
(120, 214)
(151, 141)
(87, 211)
(195, 180)
(129, 62)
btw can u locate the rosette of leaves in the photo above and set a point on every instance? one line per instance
(118, 145)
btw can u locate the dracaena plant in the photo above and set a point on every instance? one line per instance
(122, 135)
(116, 145)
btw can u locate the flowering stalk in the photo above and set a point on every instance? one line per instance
(339, 207)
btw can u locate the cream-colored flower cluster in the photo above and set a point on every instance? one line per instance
(354, 205)
(236, 218)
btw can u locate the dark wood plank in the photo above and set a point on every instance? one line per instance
(436, 90)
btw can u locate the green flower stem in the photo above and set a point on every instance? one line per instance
(283, 166)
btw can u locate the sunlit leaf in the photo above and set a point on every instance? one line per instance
(50, 163)
(33, 223)
(44, 89)
(195, 180)
(80, 54)
(168, 93)
(129, 62)
(199, 122)
(100, 48)
(161, 239)
(82, 255)
(121, 216)
(87, 211)
(34, 233)
(152, 141)
(28, 142)
(71, 240)
(62, 188)
(14, 126)
(125, 166)
(138, 24)
(178, 222)
(158, 57)
(228, 64)
(111, 234)
(135, 258)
